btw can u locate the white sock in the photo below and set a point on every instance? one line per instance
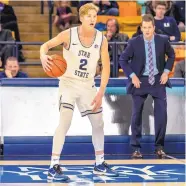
(99, 159)
(54, 161)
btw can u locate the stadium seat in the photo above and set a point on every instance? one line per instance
(179, 52)
(128, 23)
(103, 19)
(183, 36)
(127, 8)
(5, 1)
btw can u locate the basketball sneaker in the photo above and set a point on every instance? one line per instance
(56, 173)
(104, 170)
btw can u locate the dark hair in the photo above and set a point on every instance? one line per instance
(148, 18)
(162, 3)
(116, 23)
(11, 58)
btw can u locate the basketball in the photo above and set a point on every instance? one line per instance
(59, 66)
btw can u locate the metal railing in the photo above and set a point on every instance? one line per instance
(115, 63)
(42, 7)
(51, 10)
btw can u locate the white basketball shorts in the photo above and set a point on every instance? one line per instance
(82, 93)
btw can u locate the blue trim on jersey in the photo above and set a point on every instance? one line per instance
(59, 106)
(60, 102)
(68, 104)
(86, 111)
(101, 46)
(70, 40)
(92, 113)
(67, 107)
(92, 41)
(91, 110)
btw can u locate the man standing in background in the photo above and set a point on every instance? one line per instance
(144, 63)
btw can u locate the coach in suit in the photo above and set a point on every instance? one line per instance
(144, 63)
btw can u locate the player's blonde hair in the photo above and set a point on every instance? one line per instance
(85, 8)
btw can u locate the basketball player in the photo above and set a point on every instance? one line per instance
(82, 48)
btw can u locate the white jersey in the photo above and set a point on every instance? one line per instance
(81, 60)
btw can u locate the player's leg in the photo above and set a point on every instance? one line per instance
(96, 119)
(160, 119)
(66, 107)
(97, 136)
(101, 167)
(58, 142)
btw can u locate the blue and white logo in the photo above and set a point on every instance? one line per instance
(83, 173)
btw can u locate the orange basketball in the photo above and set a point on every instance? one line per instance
(59, 66)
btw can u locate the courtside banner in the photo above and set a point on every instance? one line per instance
(29, 107)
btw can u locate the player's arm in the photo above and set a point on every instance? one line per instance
(105, 59)
(97, 102)
(63, 37)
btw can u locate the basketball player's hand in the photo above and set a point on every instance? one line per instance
(8, 73)
(136, 81)
(46, 61)
(97, 102)
(164, 78)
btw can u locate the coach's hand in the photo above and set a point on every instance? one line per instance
(172, 38)
(97, 102)
(46, 61)
(164, 78)
(136, 81)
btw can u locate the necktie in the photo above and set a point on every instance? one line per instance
(151, 66)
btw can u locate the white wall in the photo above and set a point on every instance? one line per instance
(33, 111)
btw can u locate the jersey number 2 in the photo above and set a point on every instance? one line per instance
(83, 64)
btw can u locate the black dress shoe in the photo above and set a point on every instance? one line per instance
(160, 154)
(137, 155)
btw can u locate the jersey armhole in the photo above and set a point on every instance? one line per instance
(101, 46)
(69, 41)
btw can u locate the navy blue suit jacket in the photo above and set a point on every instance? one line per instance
(133, 58)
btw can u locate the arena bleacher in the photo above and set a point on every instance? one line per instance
(34, 27)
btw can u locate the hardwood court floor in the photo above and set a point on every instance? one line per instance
(132, 173)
